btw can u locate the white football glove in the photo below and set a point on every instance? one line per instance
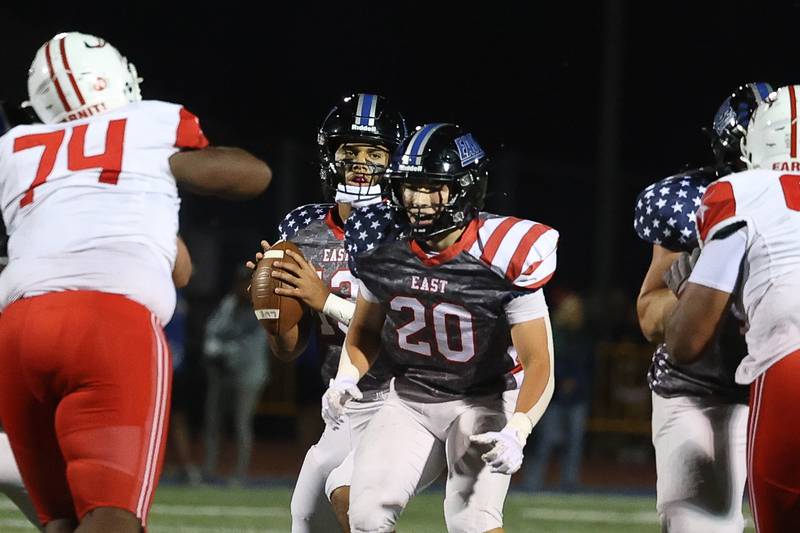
(505, 457)
(340, 390)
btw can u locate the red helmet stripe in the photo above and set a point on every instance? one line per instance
(54, 79)
(69, 71)
(793, 104)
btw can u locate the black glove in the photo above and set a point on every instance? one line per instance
(678, 272)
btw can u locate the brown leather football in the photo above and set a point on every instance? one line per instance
(277, 314)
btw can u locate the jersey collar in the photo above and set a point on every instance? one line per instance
(467, 239)
(333, 222)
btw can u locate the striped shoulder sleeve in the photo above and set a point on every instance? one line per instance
(522, 251)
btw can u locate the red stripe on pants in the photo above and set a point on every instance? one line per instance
(773, 447)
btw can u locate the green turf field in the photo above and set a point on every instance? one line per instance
(221, 510)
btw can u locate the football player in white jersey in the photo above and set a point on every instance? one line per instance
(10, 479)
(90, 203)
(749, 231)
(699, 417)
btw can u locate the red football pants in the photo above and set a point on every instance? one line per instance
(84, 398)
(773, 447)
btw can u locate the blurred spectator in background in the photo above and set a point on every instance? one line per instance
(179, 435)
(565, 419)
(237, 368)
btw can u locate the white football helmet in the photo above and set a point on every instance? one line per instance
(75, 75)
(771, 141)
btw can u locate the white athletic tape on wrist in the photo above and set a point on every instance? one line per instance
(346, 368)
(339, 309)
(523, 426)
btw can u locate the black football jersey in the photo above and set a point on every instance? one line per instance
(316, 230)
(446, 332)
(665, 215)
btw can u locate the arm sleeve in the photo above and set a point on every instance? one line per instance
(524, 422)
(527, 307)
(720, 261)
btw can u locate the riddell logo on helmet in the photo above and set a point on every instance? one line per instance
(87, 112)
(783, 166)
(409, 168)
(359, 127)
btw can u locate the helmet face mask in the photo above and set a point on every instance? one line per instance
(355, 142)
(731, 121)
(438, 180)
(359, 168)
(771, 141)
(75, 75)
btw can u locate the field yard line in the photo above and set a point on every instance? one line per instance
(16, 524)
(237, 511)
(575, 515)
(215, 529)
(240, 511)
(25, 525)
(609, 517)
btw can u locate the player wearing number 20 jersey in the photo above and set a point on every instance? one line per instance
(90, 203)
(459, 312)
(446, 331)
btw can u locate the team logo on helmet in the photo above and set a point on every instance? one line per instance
(469, 150)
(448, 162)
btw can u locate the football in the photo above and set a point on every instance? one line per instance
(277, 314)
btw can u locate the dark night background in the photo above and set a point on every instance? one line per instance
(548, 88)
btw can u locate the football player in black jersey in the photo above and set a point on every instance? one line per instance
(699, 412)
(458, 311)
(355, 141)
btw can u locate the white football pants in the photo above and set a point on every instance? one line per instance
(700, 462)
(406, 439)
(311, 510)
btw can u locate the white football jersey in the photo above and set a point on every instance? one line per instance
(768, 202)
(92, 204)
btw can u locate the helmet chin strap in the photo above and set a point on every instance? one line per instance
(358, 196)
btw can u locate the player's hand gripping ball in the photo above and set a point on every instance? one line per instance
(277, 314)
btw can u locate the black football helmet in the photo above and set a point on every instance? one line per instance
(440, 154)
(731, 120)
(358, 118)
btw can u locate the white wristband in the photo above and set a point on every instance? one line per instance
(522, 424)
(339, 309)
(347, 370)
